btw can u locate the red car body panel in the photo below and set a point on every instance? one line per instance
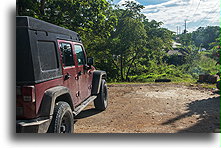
(42, 87)
(79, 86)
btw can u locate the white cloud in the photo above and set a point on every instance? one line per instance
(173, 13)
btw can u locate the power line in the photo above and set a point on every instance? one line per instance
(212, 11)
(197, 8)
(185, 31)
(214, 19)
(190, 8)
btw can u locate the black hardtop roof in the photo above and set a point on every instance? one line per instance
(39, 25)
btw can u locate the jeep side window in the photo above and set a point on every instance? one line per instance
(80, 55)
(67, 54)
(47, 55)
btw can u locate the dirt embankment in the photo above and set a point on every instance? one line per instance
(153, 108)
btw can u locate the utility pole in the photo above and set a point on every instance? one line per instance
(185, 31)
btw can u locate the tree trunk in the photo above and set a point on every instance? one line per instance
(121, 68)
(128, 71)
(42, 7)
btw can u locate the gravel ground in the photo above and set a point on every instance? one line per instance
(153, 108)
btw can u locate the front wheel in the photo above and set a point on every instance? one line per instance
(62, 121)
(101, 101)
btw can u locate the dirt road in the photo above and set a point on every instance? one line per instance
(153, 108)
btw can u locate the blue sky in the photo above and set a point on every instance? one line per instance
(173, 13)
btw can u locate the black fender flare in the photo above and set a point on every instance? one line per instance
(48, 101)
(98, 75)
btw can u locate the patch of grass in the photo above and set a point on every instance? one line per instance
(206, 85)
(200, 85)
(192, 83)
(128, 83)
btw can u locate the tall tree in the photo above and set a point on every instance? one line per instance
(91, 19)
(202, 37)
(128, 39)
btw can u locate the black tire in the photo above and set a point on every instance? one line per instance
(101, 102)
(218, 84)
(62, 121)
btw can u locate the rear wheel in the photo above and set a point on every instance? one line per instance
(62, 121)
(101, 101)
(218, 84)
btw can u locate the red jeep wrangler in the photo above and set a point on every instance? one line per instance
(54, 78)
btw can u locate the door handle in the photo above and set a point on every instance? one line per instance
(79, 73)
(67, 76)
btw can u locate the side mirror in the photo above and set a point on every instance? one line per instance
(90, 61)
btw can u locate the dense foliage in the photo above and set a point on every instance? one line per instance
(202, 37)
(203, 55)
(125, 43)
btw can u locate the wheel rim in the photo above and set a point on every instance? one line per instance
(65, 124)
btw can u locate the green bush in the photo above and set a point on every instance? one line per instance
(163, 72)
(205, 65)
